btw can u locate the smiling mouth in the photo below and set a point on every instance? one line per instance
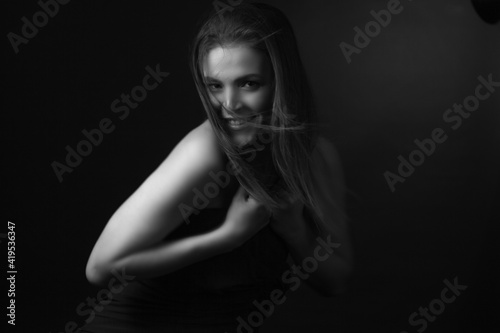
(239, 123)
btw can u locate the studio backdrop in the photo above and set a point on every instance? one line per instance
(410, 91)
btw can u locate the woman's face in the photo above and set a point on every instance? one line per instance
(240, 82)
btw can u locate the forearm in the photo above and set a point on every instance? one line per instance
(323, 260)
(167, 256)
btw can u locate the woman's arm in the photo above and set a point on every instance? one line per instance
(132, 239)
(244, 218)
(331, 248)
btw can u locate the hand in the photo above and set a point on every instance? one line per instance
(245, 217)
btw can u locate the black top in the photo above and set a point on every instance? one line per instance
(207, 296)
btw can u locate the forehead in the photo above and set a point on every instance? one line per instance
(226, 63)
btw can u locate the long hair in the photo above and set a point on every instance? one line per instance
(280, 157)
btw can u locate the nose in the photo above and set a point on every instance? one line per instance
(231, 103)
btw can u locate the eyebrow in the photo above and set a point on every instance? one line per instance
(239, 79)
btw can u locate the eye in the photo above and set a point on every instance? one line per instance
(251, 85)
(214, 86)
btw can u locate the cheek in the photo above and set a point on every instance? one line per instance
(269, 98)
(261, 101)
(213, 100)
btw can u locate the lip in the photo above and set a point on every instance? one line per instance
(240, 126)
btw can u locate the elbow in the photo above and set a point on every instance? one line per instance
(97, 273)
(94, 275)
(109, 275)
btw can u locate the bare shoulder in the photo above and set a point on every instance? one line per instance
(202, 142)
(198, 150)
(154, 210)
(186, 166)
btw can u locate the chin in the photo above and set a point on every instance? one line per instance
(243, 139)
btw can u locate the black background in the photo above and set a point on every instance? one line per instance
(441, 223)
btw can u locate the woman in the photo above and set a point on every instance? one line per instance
(205, 239)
